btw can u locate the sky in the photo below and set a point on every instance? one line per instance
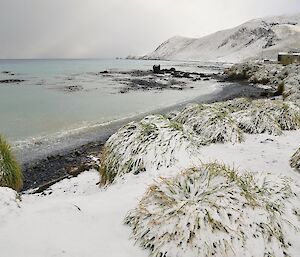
(117, 28)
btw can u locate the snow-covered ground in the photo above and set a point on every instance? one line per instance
(255, 39)
(76, 218)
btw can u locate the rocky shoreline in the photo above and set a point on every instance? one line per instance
(158, 79)
(42, 173)
(285, 79)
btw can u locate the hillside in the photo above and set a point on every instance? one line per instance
(259, 38)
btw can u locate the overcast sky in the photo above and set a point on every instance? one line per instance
(110, 28)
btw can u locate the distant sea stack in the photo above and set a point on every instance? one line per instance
(256, 39)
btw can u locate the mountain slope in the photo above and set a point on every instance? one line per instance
(259, 38)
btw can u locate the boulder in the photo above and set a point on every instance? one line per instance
(156, 69)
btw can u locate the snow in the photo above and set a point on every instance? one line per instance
(76, 218)
(260, 38)
(9, 204)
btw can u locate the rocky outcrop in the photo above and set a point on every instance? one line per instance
(283, 79)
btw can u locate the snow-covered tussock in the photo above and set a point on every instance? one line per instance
(267, 116)
(295, 160)
(10, 171)
(235, 105)
(275, 75)
(212, 123)
(215, 211)
(150, 144)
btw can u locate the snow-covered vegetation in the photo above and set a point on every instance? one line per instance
(147, 145)
(295, 160)
(213, 123)
(285, 79)
(157, 141)
(80, 218)
(10, 171)
(255, 39)
(234, 105)
(267, 116)
(215, 211)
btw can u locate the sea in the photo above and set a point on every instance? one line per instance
(37, 116)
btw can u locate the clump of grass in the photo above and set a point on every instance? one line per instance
(295, 160)
(257, 120)
(213, 123)
(150, 144)
(280, 88)
(286, 113)
(235, 105)
(215, 211)
(10, 171)
(267, 116)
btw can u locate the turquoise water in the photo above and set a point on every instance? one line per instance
(38, 108)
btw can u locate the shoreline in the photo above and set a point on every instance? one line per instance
(47, 169)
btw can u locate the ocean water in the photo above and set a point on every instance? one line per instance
(33, 111)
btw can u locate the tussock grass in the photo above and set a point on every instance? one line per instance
(215, 211)
(213, 123)
(150, 144)
(235, 105)
(267, 116)
(10, 171)
(295, 160)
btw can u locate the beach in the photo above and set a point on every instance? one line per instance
(64, 110)
(45, 168)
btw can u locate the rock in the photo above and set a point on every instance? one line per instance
(156, 69)
(186, 75)
(7, 81)
(75, 170)
(71, 89)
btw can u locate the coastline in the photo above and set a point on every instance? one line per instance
(50, 168)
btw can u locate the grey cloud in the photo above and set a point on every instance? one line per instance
(108, 28)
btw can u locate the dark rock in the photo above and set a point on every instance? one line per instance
(123, 91)
(76, 170)
(203, 75)
(54, 168)
(156, 69)
(7, 81)
(71, 89)
(186, 75)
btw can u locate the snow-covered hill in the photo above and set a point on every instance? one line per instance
(259, 38)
